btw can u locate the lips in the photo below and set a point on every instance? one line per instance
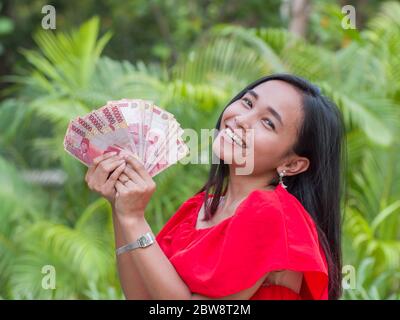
(235, 137)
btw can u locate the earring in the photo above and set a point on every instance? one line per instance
(281, 174)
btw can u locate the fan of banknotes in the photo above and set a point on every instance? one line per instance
(133, 126)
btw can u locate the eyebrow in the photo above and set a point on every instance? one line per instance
(269, 108)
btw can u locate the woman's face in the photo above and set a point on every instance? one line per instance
(84, 146)
(267, 121)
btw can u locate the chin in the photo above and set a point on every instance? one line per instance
(230, 153)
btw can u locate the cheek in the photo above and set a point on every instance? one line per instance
(224, 149)
(264, 141)
(268, 148)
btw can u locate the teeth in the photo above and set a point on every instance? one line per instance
(234, 137)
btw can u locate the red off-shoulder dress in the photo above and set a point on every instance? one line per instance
(269, 231)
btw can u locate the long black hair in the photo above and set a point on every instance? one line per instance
(319, 189)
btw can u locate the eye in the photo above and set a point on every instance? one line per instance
(248, 102)
(270, 123)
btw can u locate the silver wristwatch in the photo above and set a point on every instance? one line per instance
(144, 241)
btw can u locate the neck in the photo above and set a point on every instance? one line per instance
(240, 186)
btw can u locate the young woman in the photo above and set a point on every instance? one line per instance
(273, 233)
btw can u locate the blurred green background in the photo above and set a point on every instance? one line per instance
(190, 57)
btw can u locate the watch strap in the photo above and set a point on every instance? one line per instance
(143, 241)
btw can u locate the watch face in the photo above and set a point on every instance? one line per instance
(144, 241)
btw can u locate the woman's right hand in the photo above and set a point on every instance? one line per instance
(98, 177)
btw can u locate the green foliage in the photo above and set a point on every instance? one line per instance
(81, 255)
(375, 289)
(6, 27)
(372, 218)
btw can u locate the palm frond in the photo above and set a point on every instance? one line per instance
(355, 112)
(79, 255)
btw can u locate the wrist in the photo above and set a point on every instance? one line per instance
(133, 227)
(131, 220)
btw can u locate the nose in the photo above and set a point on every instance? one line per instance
(242, 122)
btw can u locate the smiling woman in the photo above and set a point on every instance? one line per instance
(266, 240)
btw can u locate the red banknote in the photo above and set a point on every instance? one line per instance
(135, 126)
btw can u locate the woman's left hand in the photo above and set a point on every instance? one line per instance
(134, 190)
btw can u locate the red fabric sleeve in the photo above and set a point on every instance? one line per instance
(167, 235)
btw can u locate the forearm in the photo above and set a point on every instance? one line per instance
(132, 285)
(159, 275)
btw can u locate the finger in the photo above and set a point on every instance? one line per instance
(104, 156)
(137, 166)
(104, 168)
(89, 172)
(109, 164)
(119, 186)
(141, 171)
(132, 175)
(123, 177)
(115, 175)
(130, 185)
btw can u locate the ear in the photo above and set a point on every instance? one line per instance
(295, 166)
